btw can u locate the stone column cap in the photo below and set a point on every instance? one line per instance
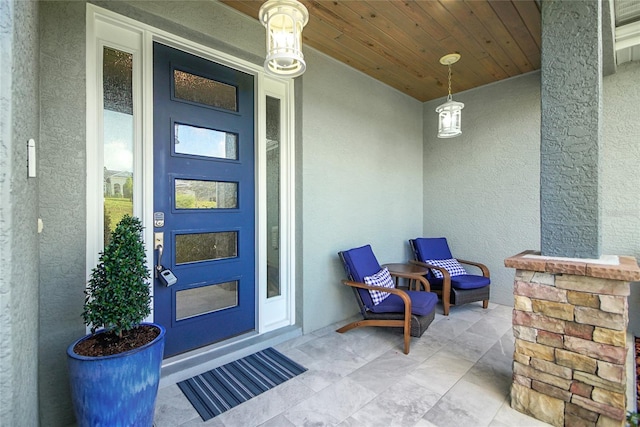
(624, 268)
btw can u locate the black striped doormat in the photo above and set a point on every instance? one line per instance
(220, 389)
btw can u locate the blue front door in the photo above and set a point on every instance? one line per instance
(204, 199)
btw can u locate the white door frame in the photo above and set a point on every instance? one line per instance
(106, 28)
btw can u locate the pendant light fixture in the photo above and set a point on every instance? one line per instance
(284, 21)
(449, 113)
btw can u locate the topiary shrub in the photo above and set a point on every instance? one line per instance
(117, 296)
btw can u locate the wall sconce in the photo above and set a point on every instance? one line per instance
(284, 21)
(449, 113)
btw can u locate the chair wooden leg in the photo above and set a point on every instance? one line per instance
(485, 303)
(445, 305)
(446, 295)
(407, 340)
(407, 327)
(352, 325)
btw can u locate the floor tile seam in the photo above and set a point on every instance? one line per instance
(309, 353)
(462, 378)
(465, 318)
(432, 391)
(353, 417)
(495, 339)
(451, 387)
(483, 353)
(436, 404)
(256, 400)
(333, 327)
(447, 352)
(284, 415)
(314, 395)
(280, 414)
(197, 417)
(421, 360)
(329, 383)
(504, 402)
(491, 320)
(376, 395)
(475, 425)
(194, 414)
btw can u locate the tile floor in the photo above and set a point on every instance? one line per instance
(458, 373)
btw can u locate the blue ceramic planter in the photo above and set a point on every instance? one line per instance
(117, 390)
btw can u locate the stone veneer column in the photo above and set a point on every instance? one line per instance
(570, 323)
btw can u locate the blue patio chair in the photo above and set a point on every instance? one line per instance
(380, 302)
(447, 276)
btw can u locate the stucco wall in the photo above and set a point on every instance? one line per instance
(620, 172)
(18, 214)
(62, 200)
(360, 179)
(361, 166)
(63, 162)
(353, 121)
(207, 22)
(571, 92)
(482, 188)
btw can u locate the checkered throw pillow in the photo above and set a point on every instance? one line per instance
(381, 278)
(451, 265)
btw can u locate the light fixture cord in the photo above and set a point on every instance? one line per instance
(449, 96)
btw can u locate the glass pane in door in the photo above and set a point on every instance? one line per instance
(273, 196)
(117, 72)
(195, 194)
(199, 141)
(206, 299)
(206, 246)
(205, 91)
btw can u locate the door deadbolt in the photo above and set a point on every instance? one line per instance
(158, 219)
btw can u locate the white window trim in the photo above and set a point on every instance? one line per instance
(108, 28)
(278, 311)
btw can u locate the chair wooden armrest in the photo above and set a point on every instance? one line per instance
(423, 280)
(405, 323)
(468, 288)
(446, 284)
(485, 270)
(402, 294)
(442, 270)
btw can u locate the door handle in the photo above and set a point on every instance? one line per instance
(158, 241)
(164, 274)
(159, 264)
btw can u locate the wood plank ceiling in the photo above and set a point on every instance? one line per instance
(400, 42)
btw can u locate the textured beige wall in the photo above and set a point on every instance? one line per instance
(481, 189)
(360, 153)
(361, 164)
(571, 91)
(620, 172)
(491, 210)
(62, 201)
(63, 163)
(18, 214)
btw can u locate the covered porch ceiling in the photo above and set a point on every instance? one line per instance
(400, 42)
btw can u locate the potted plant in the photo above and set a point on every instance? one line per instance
(115, 370)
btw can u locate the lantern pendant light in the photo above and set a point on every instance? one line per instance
(284, 21)
(449, 113)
